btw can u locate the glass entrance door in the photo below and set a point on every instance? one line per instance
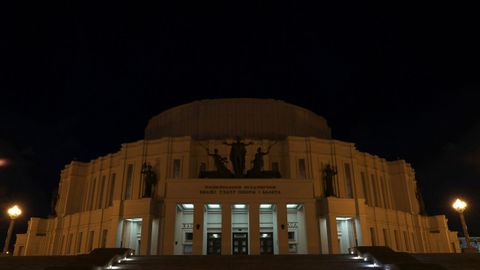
(266, 243)
(214, 243)
(240, 244)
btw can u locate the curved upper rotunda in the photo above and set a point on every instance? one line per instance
(244, 117)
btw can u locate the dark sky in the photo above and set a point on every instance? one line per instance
(401, 81)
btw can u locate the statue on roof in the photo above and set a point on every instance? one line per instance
(221, 170)
(257, 170)
(329, 173)
(149, 178)
(237, 155)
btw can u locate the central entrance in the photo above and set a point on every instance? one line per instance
(214, 243)
(240, 226)
(266, 243)
(240, 244)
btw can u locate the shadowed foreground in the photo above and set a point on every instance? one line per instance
(377, 258)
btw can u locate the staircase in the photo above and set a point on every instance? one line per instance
(277, 262)
(368, 258)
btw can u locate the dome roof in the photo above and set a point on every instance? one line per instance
(244, 117)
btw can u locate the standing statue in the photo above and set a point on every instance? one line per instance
(237, 155)
(219, 161)
(257, 170)
(258, 160)
(328, 173)
(149, 179)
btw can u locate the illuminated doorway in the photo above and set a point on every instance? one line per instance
(132, 234)
(345, 234)
(240, 227)
(212, 218)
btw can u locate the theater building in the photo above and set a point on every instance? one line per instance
(237, 176)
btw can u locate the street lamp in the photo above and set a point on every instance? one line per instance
(13, 213)
(460, 206)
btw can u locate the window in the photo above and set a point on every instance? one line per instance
(176, 168)
(397, 240)
(128, 189)
(365, 187)
(407, 244)
(385, 193)
(68, 248)
(61, 245)
(104, 238)
(187, 249)
(188, 237)
(382, 202)
(375, 191)
(385, 236)
(291, 237)
(414, 248)
(90, 241)
(112, 188)
(91, 194)
(301, 168)
(348, 184)
(100, 194)
(373, 236)
(79, 242)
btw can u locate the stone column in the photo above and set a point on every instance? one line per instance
(170, 210)
(332, 234)
(226, 229)
(113, 234)
(254, 228)
(282, 228)
(311, 227)
(197, 245)
(145, 240)
(364, 239)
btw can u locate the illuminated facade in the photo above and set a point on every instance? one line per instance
(169, 194)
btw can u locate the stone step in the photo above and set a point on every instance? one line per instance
(300, 262)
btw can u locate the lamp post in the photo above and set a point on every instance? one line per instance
(460, 206)
(13, 213)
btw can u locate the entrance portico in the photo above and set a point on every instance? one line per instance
(239, 218)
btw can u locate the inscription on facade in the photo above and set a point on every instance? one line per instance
(187, 225)
(239, 190)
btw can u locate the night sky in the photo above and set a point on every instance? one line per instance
(76, 81)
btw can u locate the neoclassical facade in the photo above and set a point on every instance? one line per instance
(237, 176)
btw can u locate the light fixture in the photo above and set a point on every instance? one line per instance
(239, 206)
(292, 205)
(265, 206)
(14, 212)
(213, 206)
(343, 218)
(188, 205)
(459, 205)
(133, 219)
(264, 235)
